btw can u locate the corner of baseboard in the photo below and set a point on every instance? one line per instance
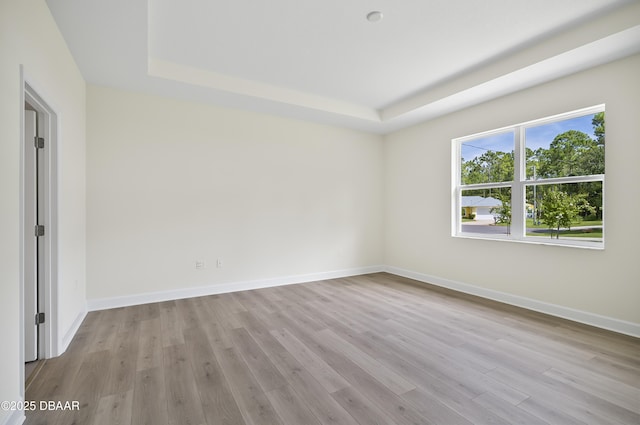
(71, 332)
(584, 317)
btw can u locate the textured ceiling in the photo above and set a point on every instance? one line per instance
(323, 61)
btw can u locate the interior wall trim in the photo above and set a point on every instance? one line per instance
(592, 319)
(603, 322)
(71, 332)
(221, 288)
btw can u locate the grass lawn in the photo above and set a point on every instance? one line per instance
(595, 232)
(530, 224)
(580, 233)
(588, 229)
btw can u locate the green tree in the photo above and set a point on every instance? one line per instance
(560, 209)
(490, 167)
(594, 190)
(533, 161)
(503, 212)
(572, 153)
(598, 127)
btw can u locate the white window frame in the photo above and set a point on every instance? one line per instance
(519, 184)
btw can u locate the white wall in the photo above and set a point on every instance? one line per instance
(29, 36)
(172, 182)
(418, 202)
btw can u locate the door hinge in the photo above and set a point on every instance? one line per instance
(39, 318)
(39, 230)
(38, 142)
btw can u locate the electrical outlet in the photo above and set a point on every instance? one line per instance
(200, 264)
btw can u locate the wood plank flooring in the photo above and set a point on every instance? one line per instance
(373, 349)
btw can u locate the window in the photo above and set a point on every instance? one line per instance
(540, 182)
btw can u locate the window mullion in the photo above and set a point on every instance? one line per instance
(517, 188)
(456, 192)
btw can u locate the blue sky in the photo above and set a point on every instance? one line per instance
(536, 137)
(502, 142)
(542, 136)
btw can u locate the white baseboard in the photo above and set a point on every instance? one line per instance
(71, 332)
(16, 417)
(604, 322)
(199, 291)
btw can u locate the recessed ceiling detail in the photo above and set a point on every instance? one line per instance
(316, 62)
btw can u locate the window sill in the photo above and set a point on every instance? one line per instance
(599, 246)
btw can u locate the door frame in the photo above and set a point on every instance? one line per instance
(32, 256)
(48, 343)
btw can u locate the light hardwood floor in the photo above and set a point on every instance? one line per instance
(373, 349)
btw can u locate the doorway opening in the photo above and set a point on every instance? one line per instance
(39, 233)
